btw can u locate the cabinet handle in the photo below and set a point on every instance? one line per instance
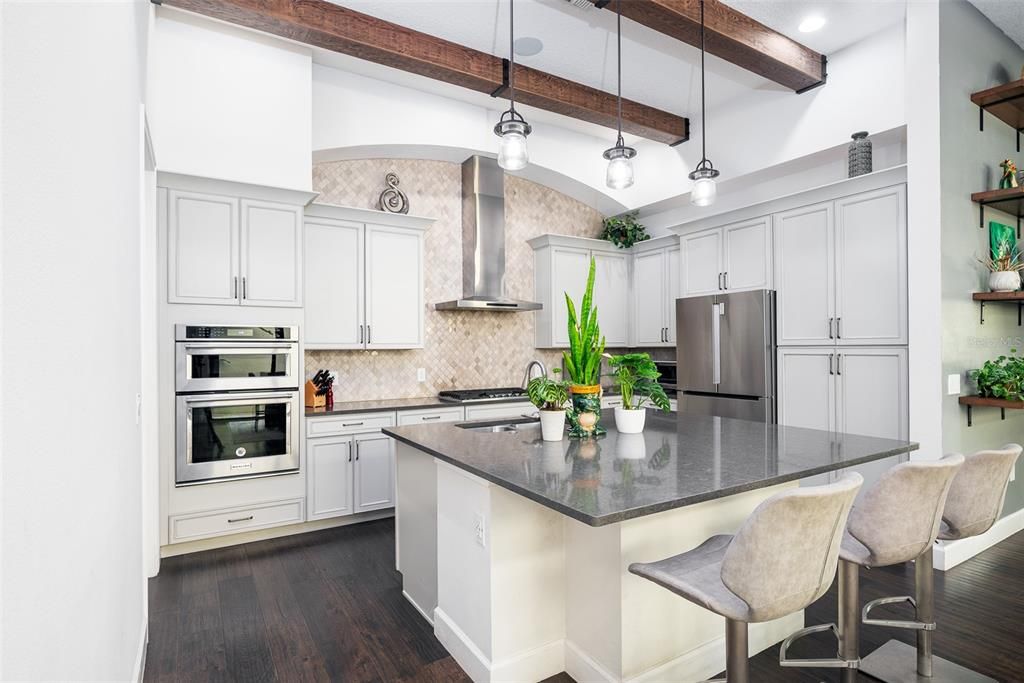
(351, 424)
(369, 335)
(725, 280)
(240, 519)
(831, 356)
(831, 334)
(234, 292)
(839, 364)
(244, 294)
(839, 332)
(430, 417)
(357, 450)
(360, 334)
(350, 451)
(719, 282)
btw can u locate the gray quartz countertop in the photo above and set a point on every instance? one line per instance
(680, 459)
(395, 404)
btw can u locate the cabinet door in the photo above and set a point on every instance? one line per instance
(569, 268)
(871, 267)
(806, 388)
(804, 275)
(500, 411)
(394, 288)
(333, 275)
(702, 262)
(374, 472)
(649, 296)
(747, 255)
(329, 477)
(202, 249)
(872, 399)
(271, 254)
(673, 293)
(611, 296)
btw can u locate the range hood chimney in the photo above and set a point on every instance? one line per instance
(483, 241)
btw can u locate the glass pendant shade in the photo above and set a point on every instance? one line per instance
(513, 154)
(703, 192)
(620, 166)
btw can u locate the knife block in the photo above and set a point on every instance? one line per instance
(312, 399)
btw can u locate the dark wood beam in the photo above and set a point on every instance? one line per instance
(732, 36)
(339, 29)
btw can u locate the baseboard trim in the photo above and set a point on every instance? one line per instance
(139, 668)
(419, 609)
(948, 554)
(583, 668)
(476, 665)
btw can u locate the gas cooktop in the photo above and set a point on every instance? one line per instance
(482, 395)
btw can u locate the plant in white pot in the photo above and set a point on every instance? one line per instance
(636, 376)
(1004, 267)
(550, 396)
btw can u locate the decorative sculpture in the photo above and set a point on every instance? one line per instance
(392, 199)
(1009, 179)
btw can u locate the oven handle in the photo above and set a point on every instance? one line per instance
(242, 347)
(237, 398)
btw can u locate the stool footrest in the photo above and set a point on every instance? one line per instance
(835, 663)
(894, 623)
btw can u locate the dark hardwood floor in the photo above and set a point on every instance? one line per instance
(328, 605)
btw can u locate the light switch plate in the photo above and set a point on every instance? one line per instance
(481, 530)
(953, 385)
(421, 375)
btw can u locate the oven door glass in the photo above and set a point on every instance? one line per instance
(202, 367)
(236, 435)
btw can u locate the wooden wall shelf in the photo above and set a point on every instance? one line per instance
(1009, 201)
(982, 401)
(999, 297)
(1005, 102)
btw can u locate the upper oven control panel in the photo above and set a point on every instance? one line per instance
(235, 333)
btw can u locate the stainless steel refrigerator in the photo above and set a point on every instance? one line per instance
(725, 353)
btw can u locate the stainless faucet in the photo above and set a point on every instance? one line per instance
(529, 368)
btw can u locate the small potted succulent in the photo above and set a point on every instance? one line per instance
(636, 376)
(582, 363)
(550, 396)
(1004, 267)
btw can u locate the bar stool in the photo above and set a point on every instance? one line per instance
(973, 505)
(781, 560)
(895, 521)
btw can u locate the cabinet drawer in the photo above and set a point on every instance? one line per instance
(500, 411)
(206, 524)
(415, 417)
(611, 401)
(348, 424)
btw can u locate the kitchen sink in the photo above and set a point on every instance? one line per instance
(507, 426)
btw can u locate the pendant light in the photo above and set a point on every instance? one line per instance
(512, 128)
(704, 189)
(620, 157)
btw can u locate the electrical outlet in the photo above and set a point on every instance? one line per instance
(138, 408)
(953, 385)
(337, 377)
(421, 375)
(481, 530)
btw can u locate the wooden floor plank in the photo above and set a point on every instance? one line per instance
(327, 606)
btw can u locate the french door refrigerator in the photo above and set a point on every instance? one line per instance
(725, 353)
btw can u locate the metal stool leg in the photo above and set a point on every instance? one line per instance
(737, 667)
(924, 593)
(849, 618)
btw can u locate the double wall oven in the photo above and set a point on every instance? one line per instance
(237, 402)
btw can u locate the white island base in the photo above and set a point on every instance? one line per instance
(519, 592)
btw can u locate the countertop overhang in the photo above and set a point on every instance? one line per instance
(680, 459)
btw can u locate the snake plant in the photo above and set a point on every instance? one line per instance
(583, 359)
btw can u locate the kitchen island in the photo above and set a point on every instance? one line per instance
(517, 549)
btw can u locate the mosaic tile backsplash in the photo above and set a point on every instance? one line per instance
(461, 349)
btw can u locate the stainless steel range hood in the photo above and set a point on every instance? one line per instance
(483, 241)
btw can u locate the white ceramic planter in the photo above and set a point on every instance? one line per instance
(1004, 281)
(630, 421)
(552, 424)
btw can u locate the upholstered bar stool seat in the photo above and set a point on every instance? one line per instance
(782, 559)
(973, 504)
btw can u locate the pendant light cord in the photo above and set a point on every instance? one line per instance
(618, 32)
(703, 103)
(511, 56)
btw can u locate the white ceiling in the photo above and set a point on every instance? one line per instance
(1006, 14)
(579, 42)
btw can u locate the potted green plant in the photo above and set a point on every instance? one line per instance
(582, 363)
(636, 376)
(1001, 377)
(550, 396)
(1004, 267)
(623, 231)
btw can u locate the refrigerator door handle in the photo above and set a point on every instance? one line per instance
(717, 310)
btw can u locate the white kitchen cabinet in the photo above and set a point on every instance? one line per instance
(499, 411)
(329, 466)
(807, 388)
(655, 289)
(374, 472)
(841, 271)
(871, 267)
(568, 275)
(364, 279)
(202, 253)
(333, 284)
(735, 257)
(431, 415)
(394, 287)
(702, 262)
(611, 295)
(233, 243)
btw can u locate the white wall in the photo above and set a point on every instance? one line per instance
(74, 605)
(229, 103)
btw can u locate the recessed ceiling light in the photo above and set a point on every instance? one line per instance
(528, 46)
(811, 23)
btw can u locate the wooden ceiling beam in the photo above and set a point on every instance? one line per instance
(732, 36)
(339, 29)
